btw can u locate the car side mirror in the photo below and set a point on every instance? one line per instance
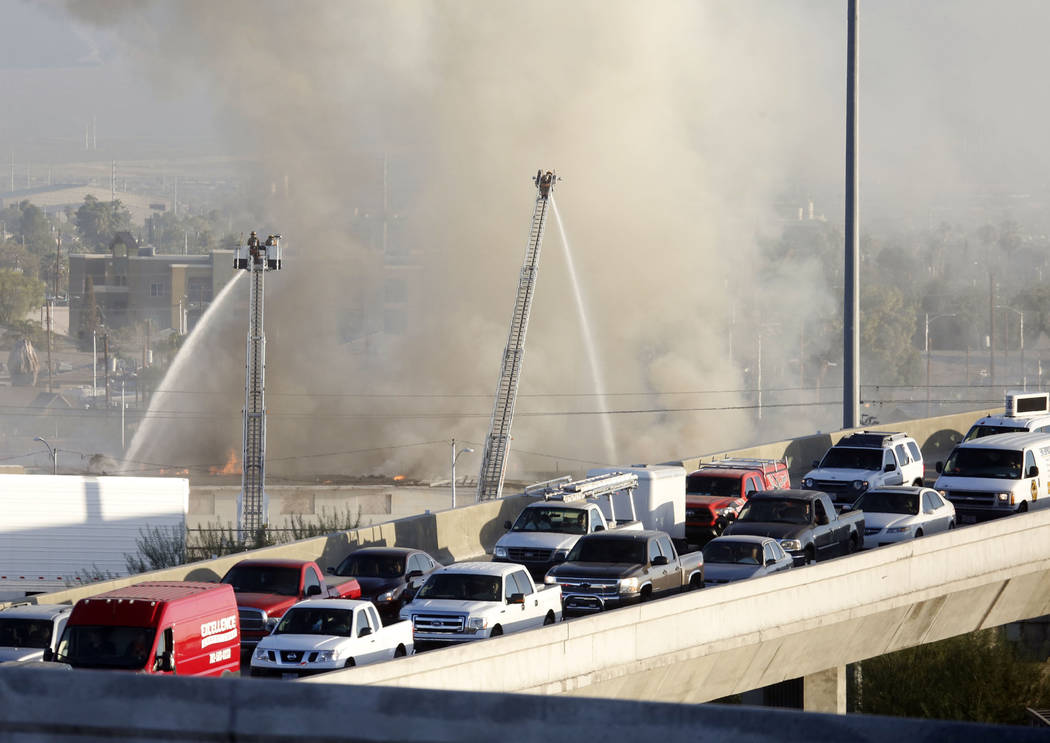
(1033, 471)
(365, 632)
(846, 508)
(413, 574)
(330, 570)
(659, 560)
(816, 464)
(313, 590)
(939, 467)
(506, 525)
(599, 527)
(49, 654)
(822, 519)
(516, 598)
(166, 662)
(771, 561)
(889, 467)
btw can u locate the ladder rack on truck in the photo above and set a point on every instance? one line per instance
(765, 466)
(567, 490)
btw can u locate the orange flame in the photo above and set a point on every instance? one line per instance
(398, 478)
(232, 466)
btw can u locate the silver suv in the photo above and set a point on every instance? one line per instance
(864, 460)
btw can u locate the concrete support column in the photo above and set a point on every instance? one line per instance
(825, 691)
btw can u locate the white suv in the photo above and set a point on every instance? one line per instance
(864, 460)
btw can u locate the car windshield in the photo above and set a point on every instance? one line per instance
(994, 463)
(977, 432)
(631, 551)
(556, 519)
(698, 484)
(461, 587)
(776, 511)
(732, 553)
(25, 633)
(105, 647)
(372, 566)
(851, 458)
(316, 621)
(264, 579)
(879, 501)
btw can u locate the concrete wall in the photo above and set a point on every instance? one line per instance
(728, 639)
(936, 437)
(44, 706)
(450, 535)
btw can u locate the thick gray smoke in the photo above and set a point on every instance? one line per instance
(676, 128)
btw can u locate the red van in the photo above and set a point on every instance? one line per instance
(183, 628)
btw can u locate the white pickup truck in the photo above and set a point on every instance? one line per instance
(319, 635)
(27, 630)
(474, 600)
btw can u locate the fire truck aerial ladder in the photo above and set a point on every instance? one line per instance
(257, 258)
(494, 459)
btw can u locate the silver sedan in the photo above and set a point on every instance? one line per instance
(732, 558)
(898, 514)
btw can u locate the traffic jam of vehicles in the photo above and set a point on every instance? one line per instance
(619, 536)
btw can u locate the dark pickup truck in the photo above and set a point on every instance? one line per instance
(609, 569)
(803, 521)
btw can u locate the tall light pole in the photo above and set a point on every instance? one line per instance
(53, 453)
(851, 283)
(926, 348)
(1020, 314)
(455, 456)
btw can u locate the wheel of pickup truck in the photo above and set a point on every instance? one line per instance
(918, 533)
(400, 652)
(496, 631)
(696, 582)
(810, 555)
(854, 544)
(647, 593)
(349, 663)
(549, 619)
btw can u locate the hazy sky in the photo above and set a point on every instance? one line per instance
(677, 127)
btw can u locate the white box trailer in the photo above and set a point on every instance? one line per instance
(54, 529)
(659, 499)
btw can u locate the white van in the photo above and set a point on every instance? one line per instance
(1024, 411)
(997, 475)
(659, 499)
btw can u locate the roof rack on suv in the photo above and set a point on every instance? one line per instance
(871, 439)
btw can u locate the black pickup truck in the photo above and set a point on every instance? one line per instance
(803, 521)
(609, 569)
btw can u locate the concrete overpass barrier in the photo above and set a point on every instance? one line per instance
(38, 706)
(728, 639)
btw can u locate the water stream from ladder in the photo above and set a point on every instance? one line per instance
(588, 343)
(183, 358)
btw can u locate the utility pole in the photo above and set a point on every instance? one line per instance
(851, 298)
(105, 360)
(49, 304)
(991, 331)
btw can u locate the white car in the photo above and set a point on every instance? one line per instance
(319, 635)
(27, 630)
(894, 515)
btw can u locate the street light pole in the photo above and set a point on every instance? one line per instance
(455, 456)
(1020, 314)
(53, 453)
(926, 348)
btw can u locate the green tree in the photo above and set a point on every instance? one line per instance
(36, 229)
(14, 256)
(978, 677)
(887, 326)
(18, 295)
(98, 221)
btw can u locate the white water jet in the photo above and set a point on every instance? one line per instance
(588, 342)
(175, 371)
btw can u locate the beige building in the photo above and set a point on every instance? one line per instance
(132, 285)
